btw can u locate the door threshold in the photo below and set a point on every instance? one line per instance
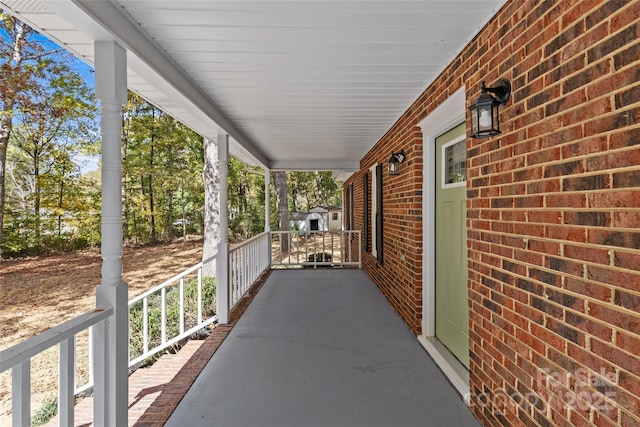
(455, 371)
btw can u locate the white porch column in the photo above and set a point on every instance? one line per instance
(267, 200)
(222, 260)
(111, 393)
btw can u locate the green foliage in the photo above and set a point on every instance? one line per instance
(246, 200)
(308, 190)
(162, 174)
(52, 204)
(45, 413)
(320, 257)
(136, 325)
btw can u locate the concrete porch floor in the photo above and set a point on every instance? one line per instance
(320, 348)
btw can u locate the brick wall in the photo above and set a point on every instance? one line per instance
(553, 215)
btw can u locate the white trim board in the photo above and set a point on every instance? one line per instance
(455, 371)
(447, 115)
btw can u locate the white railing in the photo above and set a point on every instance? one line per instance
(316, 248)
(183, 311)
(18, 359)
(185, 304)
(247, 261)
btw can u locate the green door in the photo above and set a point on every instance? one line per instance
(452, 312)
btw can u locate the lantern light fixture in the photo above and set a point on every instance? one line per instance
(394, 162)
(485, 120)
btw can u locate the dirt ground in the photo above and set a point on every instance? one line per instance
(39, 293)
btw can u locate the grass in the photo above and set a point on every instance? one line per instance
(45, 413)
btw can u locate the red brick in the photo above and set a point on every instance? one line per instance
(628, 342)
(627, 260)
(590, 254)
(588, 289)
(614, 317)
(584, 147)
(540, 200)
(617, 357)
(571, 234)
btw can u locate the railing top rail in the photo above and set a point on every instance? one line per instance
(316, 231)
(168, 282)
(32, 346)
(248, 241)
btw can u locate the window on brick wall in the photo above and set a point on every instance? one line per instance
(365, 203)
(376, 211)
(378, 207)
(351, 225)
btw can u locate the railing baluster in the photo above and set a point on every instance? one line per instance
(250, 262)
(91, 365)
(181, 305)
(163, 315)
(199, 296)
(233, 275)
(323, 247)
(145, 325)
(21, 394)
(359, 250)
(66, 386)
(241, 273)
(101, 371)
(350, 246)
(245, 270)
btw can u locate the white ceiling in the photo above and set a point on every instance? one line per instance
(297, 84)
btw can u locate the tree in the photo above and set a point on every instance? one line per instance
(280, 183)
(312, 189)
(59, 116)
(162, 159)
(22, 61)
(246, 200)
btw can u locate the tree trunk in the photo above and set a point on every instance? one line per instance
(135, 221)
(280, 182)
(36, 207)
(126, 233)
(5, 132)
(170, 216)
(211, 177)
(152, 211)
(170, 202)
(321, 197)
(8, 103)
(184, 220)
(60, 195)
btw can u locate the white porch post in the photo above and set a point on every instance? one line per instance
(267, 200)
(222, 260)
(111, 395)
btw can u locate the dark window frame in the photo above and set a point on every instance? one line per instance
(365, 201)
(379, 218)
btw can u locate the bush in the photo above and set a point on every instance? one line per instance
(320, 257)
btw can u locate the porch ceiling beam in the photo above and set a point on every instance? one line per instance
(107, 15)
(316, 165)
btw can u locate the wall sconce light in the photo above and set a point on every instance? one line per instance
(394, 162)
(485, 121)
